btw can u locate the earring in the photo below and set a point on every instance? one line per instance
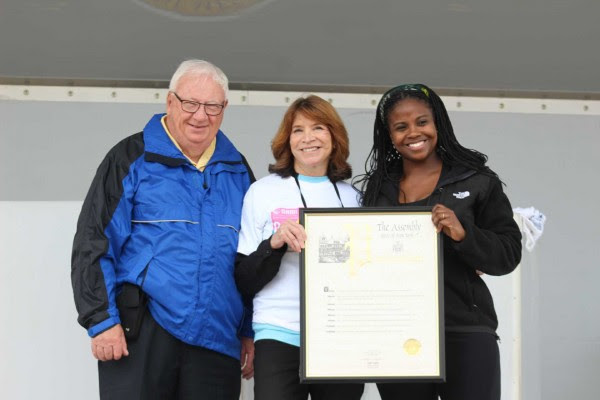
(394, 154)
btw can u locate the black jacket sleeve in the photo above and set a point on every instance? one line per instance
(102, 228)
(254, 271)
(493, 241)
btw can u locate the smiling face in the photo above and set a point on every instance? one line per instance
(194, 131)
(311, 145)
(413, 131)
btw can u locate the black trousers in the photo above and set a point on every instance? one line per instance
(276, 376)
(472, 372)
(162, 367)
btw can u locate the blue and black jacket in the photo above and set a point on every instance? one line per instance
(153, 219)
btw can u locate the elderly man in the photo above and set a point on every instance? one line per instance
(163, 215)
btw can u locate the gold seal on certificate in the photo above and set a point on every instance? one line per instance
(371, 296)
(412, 347)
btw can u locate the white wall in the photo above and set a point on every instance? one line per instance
(43, 353)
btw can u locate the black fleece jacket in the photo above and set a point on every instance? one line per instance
(492, 243)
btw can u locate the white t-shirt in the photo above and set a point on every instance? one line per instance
(269, 202)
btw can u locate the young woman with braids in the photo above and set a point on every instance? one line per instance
(417, 160)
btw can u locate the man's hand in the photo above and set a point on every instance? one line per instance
(111, 344)
(247, 357)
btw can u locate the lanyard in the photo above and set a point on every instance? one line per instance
(337, 192)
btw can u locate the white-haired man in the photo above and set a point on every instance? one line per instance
(153, 256)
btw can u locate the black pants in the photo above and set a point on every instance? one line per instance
(472, 372)
(162, 367)
(276, 376)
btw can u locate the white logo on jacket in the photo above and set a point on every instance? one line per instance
(461, 195)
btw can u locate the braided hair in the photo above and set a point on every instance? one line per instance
(385, 163)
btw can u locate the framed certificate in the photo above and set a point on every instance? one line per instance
(371, 296)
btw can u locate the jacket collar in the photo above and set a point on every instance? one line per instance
(450, 174)
(453, 173)
(160, 148)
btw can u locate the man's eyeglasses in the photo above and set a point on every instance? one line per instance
(190, 106)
